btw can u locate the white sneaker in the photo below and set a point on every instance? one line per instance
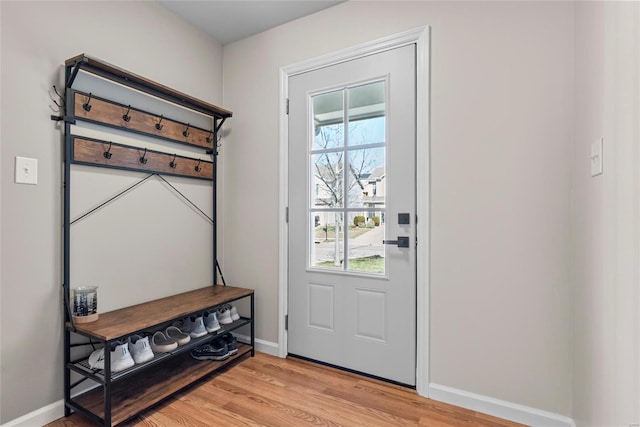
(211, 321)
(234, 313)
(96, 359)
(120, 358)
(224, 316)
(194, 326)
(139, 348)
(160, 343)
(175, 333)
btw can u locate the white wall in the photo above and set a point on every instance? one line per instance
(606, 211)
(502, 124)
(36, 39)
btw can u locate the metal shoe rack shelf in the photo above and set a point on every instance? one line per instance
(120, 396)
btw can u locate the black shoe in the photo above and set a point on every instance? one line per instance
(232, 343)
(212, 351)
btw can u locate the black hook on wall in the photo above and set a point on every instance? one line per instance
(61, 105)
(107, 154)
(144, 159)
(186, 131)
(87, 106)
(210, 138)
(172, 163)
(126, 117)
(198, 168)
(158, 125)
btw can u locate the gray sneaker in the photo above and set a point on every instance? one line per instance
(194, 326)
(211, 321)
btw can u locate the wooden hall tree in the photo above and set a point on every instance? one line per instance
(165, 145)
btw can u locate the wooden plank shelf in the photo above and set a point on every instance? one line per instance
(102, 111)
(138, 392)
(89, 151)
(112, 72)
(126, 321)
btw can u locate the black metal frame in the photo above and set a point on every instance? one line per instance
(91, 65)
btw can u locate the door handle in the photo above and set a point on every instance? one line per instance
(402, 242)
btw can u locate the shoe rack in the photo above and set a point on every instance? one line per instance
(120, 396)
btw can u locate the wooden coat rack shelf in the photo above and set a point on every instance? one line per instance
(105, 112)
(95, 152)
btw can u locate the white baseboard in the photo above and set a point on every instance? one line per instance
(261, 345)
(498, 408)
(39, 417)
(54, 411)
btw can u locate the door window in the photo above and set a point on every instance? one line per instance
(347, 179)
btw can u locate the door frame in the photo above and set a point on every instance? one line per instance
(420, 37)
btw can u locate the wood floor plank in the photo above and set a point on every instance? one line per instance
(338, 411)
(269, 391)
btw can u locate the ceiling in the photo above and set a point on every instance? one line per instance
(231, 20)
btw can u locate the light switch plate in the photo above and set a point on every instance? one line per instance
(26, 170)
(596, 157)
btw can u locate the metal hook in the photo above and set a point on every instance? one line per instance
(57, 93)
(61, 104)
(210, 138)
(144, 159)
(186, 131)
(126, 116)
(198, 168)
(173, 163)
(107, 154)
(86, 106)
(158, 125)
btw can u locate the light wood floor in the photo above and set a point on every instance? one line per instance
(266, 390)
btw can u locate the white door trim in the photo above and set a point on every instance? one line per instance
(420, 37)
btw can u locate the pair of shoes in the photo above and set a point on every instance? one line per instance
(176, 334)
(139, 348)
(228, 314)
(169, 339)
(161, 343)
(220, 348)
(211, 351)
(120, 357)
(192, 325)
(211, 323)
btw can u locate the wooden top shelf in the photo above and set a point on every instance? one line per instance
(104, 69)
(125, 321)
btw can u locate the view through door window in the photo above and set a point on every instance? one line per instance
(347, 179)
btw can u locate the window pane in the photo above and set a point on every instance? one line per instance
(327, 251)
(366, 178)
(365, 248)
(367, 119)
(327, 180)
(328, 120)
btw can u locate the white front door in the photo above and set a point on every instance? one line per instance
(352, 184)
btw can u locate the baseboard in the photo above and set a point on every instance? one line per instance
(55, 410)
(39, 417)
(498, 408)
(262, 346)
